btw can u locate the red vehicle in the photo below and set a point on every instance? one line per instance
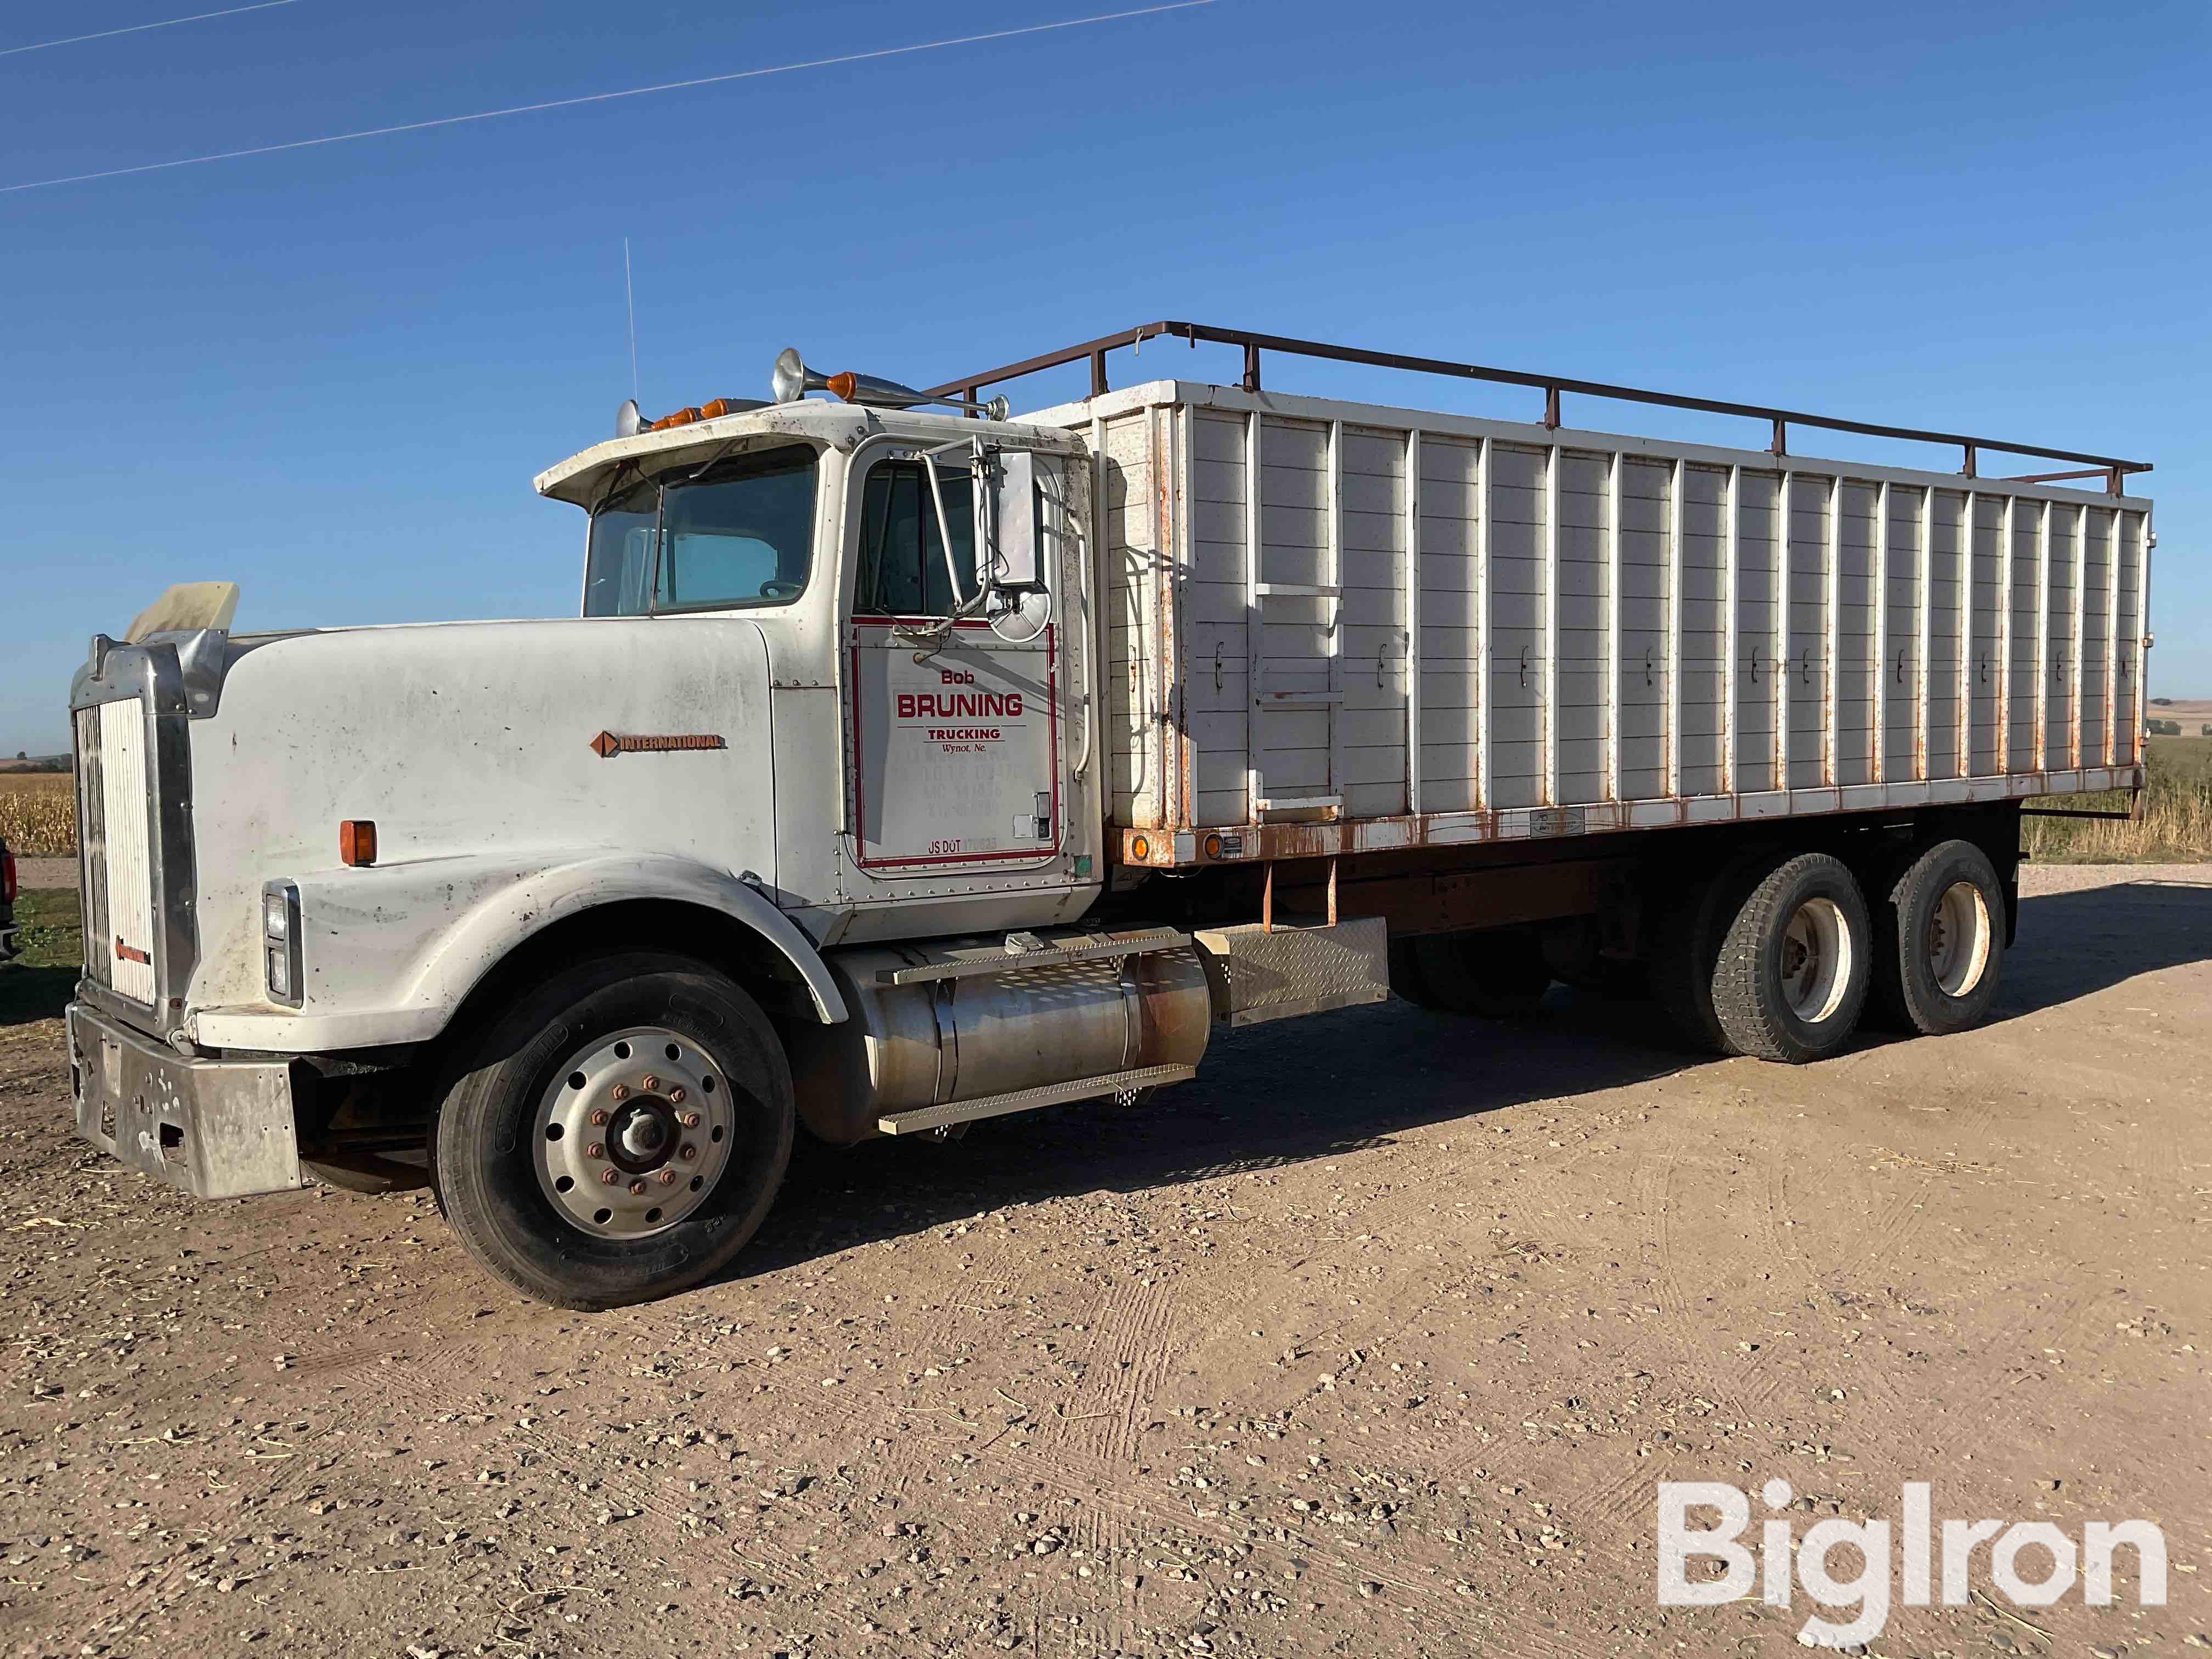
(7, 902)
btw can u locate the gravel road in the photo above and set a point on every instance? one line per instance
(1375, 1339)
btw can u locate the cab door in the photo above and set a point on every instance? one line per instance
(955, 726)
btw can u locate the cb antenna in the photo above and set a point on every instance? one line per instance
(629, 303)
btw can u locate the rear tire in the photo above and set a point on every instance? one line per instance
(1490, 973)
(1682, 925)
(1939, 940)
(555, 1096)
(1791, 975)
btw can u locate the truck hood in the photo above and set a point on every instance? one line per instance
(540, 740)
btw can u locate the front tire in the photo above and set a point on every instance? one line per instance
(1791, 977)
(616, 1134)
(1939, 941)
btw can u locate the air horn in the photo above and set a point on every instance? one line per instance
(792, 380)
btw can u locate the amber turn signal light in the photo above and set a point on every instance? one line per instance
(1141, 848)
(357, 840)
(714, 408)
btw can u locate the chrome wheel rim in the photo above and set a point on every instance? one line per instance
(1957, 941)
(1816, 960)
(634, 1132)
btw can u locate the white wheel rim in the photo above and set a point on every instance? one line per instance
(1957, 939)
(1816, 960)
(632, 1133)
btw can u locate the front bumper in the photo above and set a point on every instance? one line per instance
(216, 1128)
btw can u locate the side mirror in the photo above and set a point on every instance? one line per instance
(1009, 552)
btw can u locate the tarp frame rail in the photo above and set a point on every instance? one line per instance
(2113, 469)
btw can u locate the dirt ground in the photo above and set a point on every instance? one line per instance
(1375, 1339)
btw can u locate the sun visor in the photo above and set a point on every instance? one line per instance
(186, 607)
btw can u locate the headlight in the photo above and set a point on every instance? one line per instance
(280, 941)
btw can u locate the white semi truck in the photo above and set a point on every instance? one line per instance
(910, 765)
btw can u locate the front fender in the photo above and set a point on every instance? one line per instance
(390, 952)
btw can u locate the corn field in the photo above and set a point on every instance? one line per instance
(37, 813)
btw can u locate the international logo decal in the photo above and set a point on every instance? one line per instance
(608, 744)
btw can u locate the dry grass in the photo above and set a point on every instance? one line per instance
(2176, 826)
(37, 813)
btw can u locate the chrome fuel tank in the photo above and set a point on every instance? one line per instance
(962, 1027)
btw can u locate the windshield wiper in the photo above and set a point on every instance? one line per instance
(694, 477)
(615, 488)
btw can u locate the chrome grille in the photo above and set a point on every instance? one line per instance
(92, 847)
(118, 856)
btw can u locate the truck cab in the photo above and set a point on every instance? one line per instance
(964, 794)
(824, 733)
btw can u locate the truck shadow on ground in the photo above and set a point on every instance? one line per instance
(1317, 1088)
(1267, 1096)
(2073, 944)
(29, 994)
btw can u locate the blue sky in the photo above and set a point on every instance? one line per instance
(329, 373)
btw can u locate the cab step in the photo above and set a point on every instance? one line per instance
(1024, 1100)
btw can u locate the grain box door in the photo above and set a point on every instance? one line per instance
(1986, 655)
(1806, 520)
(1901, 665)
(1645, 660)
(2024, 619)
(2130, 530)
(953, 728)
(2095, 644)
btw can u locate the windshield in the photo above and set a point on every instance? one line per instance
(739, 532)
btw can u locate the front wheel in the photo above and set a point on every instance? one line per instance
(617, 1133)
(1939, 940)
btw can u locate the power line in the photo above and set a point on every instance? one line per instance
(140, 28)
(604, 97)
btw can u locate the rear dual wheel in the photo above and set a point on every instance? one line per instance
(1939, 940)
(617, 1133)
(1777, 959)
(1770, 957)
(1490, 973)
(1795, 961)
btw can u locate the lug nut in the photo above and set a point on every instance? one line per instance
(648, 1081)
(599, 1118)
(668, 1177)
(595, 1150)
(637, 1189)
(676, 1096)
(688, 1152)
(610, 1176)
(689, 1120)
(620, 1091)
